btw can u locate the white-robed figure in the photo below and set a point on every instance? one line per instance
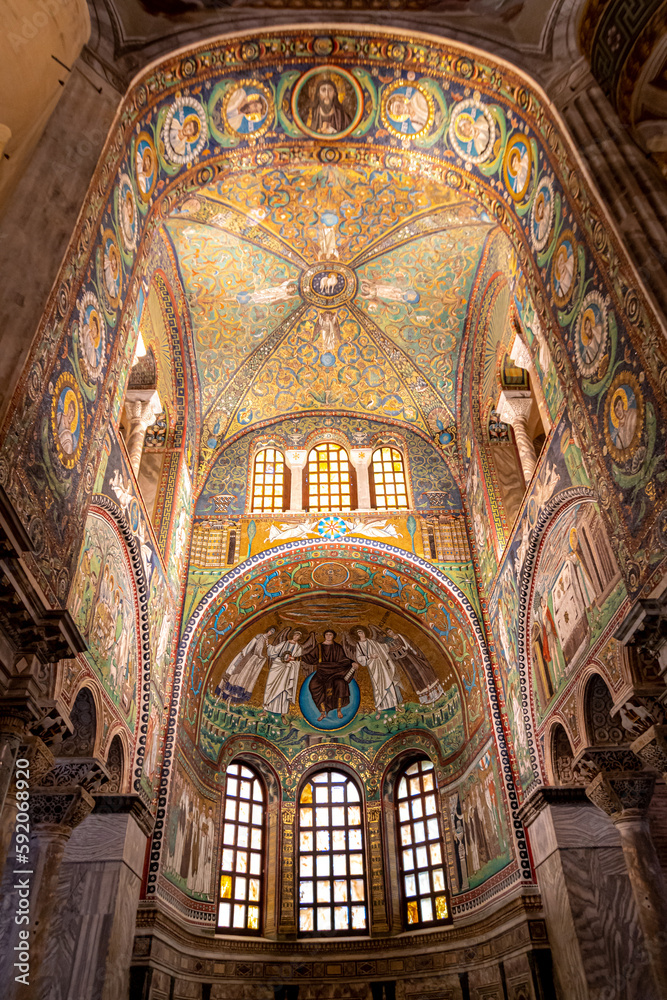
(285, 665)
(373, 655)
(237, 683)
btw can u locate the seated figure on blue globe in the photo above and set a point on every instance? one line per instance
(330, 684)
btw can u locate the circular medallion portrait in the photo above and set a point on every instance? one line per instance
(111, 268)
(516, 166)
(185, 131)
(591, 334)
(407, 110)
(91, 336)
(472, 131)
(327, 101)
(542, 214)
(328, 284)
(247, 108)
(624, 417)
(145, 165)
(127, 213)
(564, 269)
(67, 420)
(329, 702)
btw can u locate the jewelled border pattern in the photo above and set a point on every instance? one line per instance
(415, 562)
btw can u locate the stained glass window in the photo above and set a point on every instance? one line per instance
(421, 848)
(329, 478)
(268, 488)
(242, 852)
(389, 480)
(332, 883)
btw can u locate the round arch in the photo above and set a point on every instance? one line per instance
(500, 168)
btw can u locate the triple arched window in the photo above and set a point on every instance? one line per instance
(330, 866)
(330, 480)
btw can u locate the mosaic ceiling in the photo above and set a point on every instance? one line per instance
(318, 287)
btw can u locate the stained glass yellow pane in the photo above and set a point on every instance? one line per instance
(226, 887)
(307, 794)
(253, 918)
(413, 912)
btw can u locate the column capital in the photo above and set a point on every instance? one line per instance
(514, 406)
(361, 457)
(60, 810)
(88, 773)
(520, 354)
(296, 458)
(622, 794)
(651, 748)
(142, 406)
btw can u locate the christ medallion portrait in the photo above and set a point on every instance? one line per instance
(327, 102)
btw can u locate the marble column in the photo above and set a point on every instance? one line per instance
(522, 358)
(40, 760)
(589, 906)
(514, 408)
(295, 460)
(92, 934)
(141, 408)
(361, 459)
(53, 816)
(624, 794)
(12, 730)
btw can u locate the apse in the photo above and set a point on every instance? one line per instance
(334, 484)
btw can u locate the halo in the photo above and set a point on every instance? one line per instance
(619, 394)
(70, 395)
(192, 117)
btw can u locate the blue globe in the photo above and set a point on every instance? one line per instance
(328, 359)
(311, 712)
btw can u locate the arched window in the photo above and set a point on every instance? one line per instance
(269, 481)
(391, 492)
(329, 479)
(242, 864)
(332, 884)
(423, 883)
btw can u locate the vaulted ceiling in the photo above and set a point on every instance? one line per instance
(320, 288)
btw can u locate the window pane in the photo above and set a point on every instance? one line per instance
(243, 827)
(389, 479)
(328, 471)
(268, 481)
(333, 853)
(425, 892)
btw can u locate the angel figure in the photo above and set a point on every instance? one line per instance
(284, 653)
(417, 669)
(371, 652)
(281, 532)
(372, 529)
(237, 683)
(334, 669)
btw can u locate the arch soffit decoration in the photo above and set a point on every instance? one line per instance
(108, 511)
(470, 73)
(239, 581)
(549, 518)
